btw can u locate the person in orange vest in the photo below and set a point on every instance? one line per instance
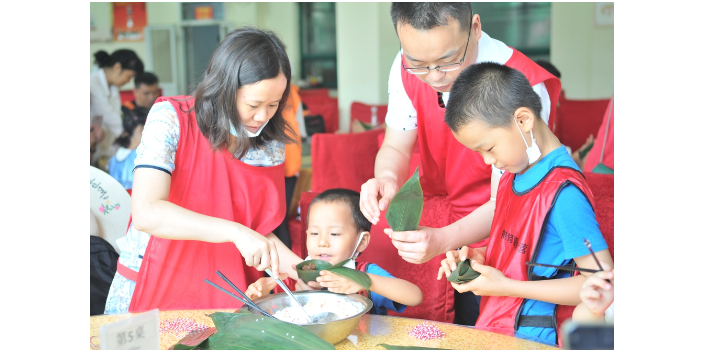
(292, 162)
(146, 90)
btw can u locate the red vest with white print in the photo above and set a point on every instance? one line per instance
(516, 232)
(455, 180)
(211, 183)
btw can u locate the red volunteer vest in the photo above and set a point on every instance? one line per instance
(456, 180)
(516, 232)
(211, 183)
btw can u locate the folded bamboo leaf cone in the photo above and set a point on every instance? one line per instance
(463, 273)
(311, 275)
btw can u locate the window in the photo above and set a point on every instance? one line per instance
(524, 26)
(318, 44)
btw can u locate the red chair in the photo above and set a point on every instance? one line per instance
(363, 112)
(438, 295)
(319, 102)
(343, 160)
(602, 185)
(577, 119)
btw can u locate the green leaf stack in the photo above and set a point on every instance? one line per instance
(406, 207)
(463, 273)
(245, 331)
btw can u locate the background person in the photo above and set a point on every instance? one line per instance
(114, 71)
(146, 90)
(121, 165)
(438, 41)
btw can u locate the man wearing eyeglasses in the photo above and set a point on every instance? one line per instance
(439, 40)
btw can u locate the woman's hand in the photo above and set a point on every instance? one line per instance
(597, 294)
(338, 283)
(263, 286)
(257, 250)
(491, 282)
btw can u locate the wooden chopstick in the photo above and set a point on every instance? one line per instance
(563, 267)
(239, 299)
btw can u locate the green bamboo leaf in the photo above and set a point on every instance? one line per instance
(357, 276)
(367, 127)
(311, 275)
(340, 264)
(396, 347)
(406, 207)
(463, 273)
(250, 331)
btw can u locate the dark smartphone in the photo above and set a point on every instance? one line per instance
(587, 335)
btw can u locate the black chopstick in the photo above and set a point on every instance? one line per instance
(239, 299)
(589, 246)
(237, 289)
(562, 267)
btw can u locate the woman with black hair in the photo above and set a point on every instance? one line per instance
(115, 70)
(209, 183)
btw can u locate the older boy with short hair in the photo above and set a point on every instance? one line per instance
(543, 207)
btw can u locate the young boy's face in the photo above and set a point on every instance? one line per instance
(332, 234)
(502, 147)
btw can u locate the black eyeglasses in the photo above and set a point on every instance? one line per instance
(442, 68)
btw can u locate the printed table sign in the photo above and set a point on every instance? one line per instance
(140, 332)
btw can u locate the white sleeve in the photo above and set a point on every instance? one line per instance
(401, 114)
(542, 92)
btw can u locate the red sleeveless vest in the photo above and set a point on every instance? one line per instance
(516, 232)
(455, 180)
(211, 183)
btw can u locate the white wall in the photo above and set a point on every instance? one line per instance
(582, 51)
(282, 18)
(366, 47)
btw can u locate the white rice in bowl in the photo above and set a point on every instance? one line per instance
(316, 305)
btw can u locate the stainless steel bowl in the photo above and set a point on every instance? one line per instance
(334, 331)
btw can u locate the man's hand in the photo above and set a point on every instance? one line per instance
(338, 283)
(417, 246)
(376, 195)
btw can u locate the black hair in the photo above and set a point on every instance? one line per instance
(428, 15)
(345, 196)
(549, 67)
(130, 121)
(127, 59)
(247, 55)
(490, 92)
(147, 78)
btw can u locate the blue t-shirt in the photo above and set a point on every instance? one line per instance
(571, 220)
(381, 303)
(122, 170)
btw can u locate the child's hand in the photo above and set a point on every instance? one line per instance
(338, 283)
(311, 285)
(449, 265)
(263, 286)
(491, 282)
(597, 294)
